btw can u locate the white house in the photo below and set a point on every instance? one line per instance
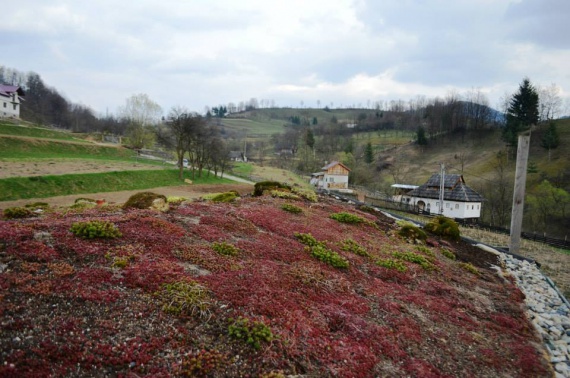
(11, 97)
(459, 200)
(334, 176)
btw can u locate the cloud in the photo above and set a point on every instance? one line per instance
(347, 51)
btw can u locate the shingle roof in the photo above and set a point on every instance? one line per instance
(6, 90)
(455, 189)
(332, 164)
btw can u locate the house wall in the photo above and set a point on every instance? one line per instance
(451, 209)
(10, 106)
(335, 181)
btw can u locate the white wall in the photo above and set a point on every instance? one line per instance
(7, 106)
(451, 209)
(335, 181)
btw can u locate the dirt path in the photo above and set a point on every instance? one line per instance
(65, 166)
(187, 191)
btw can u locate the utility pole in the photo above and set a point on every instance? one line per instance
(441, 187)
(518, 195)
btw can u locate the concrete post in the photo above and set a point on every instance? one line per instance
(518, 195)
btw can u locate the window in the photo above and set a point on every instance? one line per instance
(437, 204)
(477, 207)
(457, 206)
(447, 205)
(4, 104)
(331, 179)
(15, 106)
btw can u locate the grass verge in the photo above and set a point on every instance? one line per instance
(15, 188)
(21, 148)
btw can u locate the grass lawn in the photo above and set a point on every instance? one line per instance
(25, 149)
(57, 185)
(37, 132)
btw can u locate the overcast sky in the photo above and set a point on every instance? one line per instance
(196, 53)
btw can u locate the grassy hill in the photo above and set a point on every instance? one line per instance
(249, 289)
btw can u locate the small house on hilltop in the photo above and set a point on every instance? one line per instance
(334, 176)
(459, 200)
(237, 156)
(11, 96)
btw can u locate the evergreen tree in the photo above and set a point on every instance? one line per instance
(310, 139)
(522, 112)
(421, 135)
(369, 154)
(550, 139)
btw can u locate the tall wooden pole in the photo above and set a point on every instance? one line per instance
(518, 195)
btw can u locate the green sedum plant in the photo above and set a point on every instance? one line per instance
(352, 246)
(291, 208)
(347, 218)
(411, 232)
(415, 258)
(307, 194)
(308, 239)
(470, 268)
(392, 264)
(332, 258)
(445, 227)
(17, 212)
(185, 297)
(253, 333)
(284, 195)
(225, 197)
(225, 249)
(263, 186)
(447, 253)
(95, 229)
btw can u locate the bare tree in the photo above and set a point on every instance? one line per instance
(550, 102)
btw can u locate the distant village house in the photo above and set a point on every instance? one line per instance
(237, 156)
(459, 200)
(11, 96)
(334, 176)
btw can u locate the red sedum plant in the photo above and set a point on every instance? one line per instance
(70, 307)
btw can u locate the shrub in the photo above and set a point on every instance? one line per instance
(291, 208)
(411, 232)
(327, 256)
(253, 333)
(187, 298)
(447, 253)
(470, 268)
(414, 258)
(392, 264)
(17, 212)
(95, 229)
(263, 186)
(225, 249)
(445, 227)
(352, 246)
(143, 200)
(225, 197)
